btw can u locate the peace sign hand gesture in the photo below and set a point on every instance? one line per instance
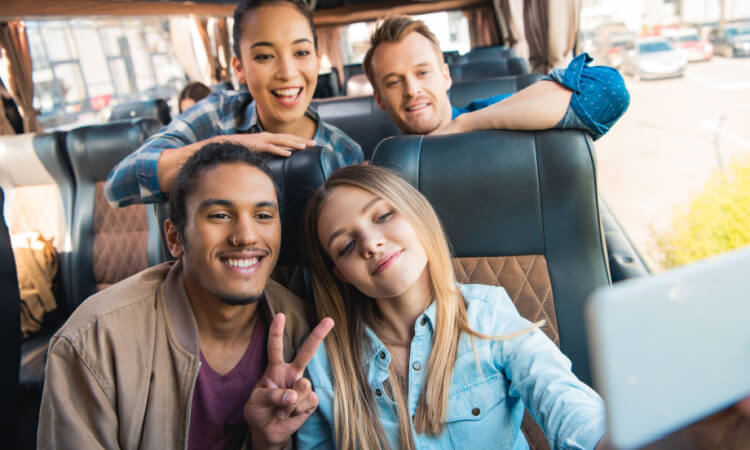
(282, 400)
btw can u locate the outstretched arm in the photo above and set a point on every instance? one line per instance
(537, 107)
(580, 96)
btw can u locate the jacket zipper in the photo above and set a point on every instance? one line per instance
(190, 405)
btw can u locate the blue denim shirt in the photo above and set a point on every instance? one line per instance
(485, 408)
(134, 179)
(599, 98)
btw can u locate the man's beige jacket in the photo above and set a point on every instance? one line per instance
(121, 371)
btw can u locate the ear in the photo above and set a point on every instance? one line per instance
(378, 100)
(238, 72)
(339, 275)
(173, 239)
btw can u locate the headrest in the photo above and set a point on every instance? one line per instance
(450, 56)
(488, 69)
(223, 86)
(298, 177)
(32, 159)
(485, 54)
(95, 149)
(490, 195)
(156, 108)
(464, 92)
(328, 85)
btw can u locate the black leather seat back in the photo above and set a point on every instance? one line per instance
(329, 85)
(488, 69)
(463, 93)
(492, 53)
(298, 177)
(10, 333)
(521, 211)
(111, 243)
(530, 196)
(360, 118)
(155, 108)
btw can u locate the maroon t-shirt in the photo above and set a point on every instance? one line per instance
(216, 418)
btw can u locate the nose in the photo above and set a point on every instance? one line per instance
(372, 243)
(243, 233)
(413, 86)
(287, 68)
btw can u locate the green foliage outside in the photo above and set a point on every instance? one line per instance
(716, 220)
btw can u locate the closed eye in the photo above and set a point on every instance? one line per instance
(347, 248)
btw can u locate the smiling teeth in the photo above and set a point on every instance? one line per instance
(242, 262)
(287, 92)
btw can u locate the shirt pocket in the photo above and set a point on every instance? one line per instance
(478, 415)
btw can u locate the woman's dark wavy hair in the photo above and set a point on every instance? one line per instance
(246, 6)
(208, 157)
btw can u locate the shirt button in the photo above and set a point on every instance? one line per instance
(378, 392)
(417, 365)
(475, 411)
(423, 322)
(382, 355)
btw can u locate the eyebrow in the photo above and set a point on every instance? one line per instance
(269, 44)
(229, 204)
(340, 231)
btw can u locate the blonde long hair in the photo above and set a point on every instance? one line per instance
(356, 422)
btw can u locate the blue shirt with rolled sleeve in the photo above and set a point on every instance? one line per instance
(135, 180)
(488, 394)
(599, 96)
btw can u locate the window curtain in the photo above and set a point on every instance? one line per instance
(511, 13)
(221, 50)
(482, 26)
(329, 45)
(201, 25)
(563, 28)
(181, 32)
(14, 40)
(535, 22)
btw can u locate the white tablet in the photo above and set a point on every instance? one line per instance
(670, 349)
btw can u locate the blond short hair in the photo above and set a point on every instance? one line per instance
(394, 29)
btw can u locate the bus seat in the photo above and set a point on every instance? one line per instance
(360, 118)
(491, 53)
(521, 211)
(38, 181)
(111, 243)
(155, 108)
(488, 69)
(10, 333)
(351, 70)
(298, 177)
(450, 56)
(223, 86)
(463, 93)
(528, 196)
(329, 85)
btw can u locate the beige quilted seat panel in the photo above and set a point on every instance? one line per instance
(524, 277)
(120, 240)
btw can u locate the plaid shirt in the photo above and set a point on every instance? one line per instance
(134, 179)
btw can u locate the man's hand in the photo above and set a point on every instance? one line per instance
(273, 143)
(282, 400)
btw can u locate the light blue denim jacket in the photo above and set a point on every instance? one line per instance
(485, 409)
